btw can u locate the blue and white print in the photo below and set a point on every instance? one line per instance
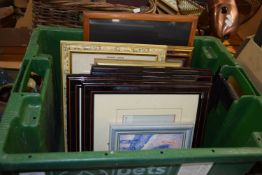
(132, 142)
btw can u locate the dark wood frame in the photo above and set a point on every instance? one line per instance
(145, 17)
(154, 74)
(91, 90)
(182, 71)
(76, 81)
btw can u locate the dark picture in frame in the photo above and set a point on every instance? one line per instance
(172, 30)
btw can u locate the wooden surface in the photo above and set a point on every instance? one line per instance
(233, 43)
(13, 44)
(10, 64)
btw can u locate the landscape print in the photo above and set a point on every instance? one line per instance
(133, 142)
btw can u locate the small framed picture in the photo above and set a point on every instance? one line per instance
(146, 137)
(140, 28)
(144, 29)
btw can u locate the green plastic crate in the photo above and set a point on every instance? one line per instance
(31, 138)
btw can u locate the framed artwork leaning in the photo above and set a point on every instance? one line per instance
(146, 109)
(78, 57)
(94, 121)
(133, 84)
(176, 31)
(140, 28)
(149, 137)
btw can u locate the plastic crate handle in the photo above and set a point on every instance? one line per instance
(238, 75)
(41, 66)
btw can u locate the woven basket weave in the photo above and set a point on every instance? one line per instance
(189, 7)
(69, 12)
(179, 7)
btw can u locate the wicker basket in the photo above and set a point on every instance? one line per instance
(189, 7)
(179, 7)
(69, 12)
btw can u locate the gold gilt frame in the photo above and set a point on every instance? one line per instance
(108, 62)
(182, 53)
(68, 48)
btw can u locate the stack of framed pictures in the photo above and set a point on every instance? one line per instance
(119, 96)
(79, 56)
(108, 108)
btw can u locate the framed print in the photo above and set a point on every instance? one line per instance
(182, 107)
(173, 30)
(78, 57)
(109, 62)
(95, 120)
(130, 84)
(140, 137)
